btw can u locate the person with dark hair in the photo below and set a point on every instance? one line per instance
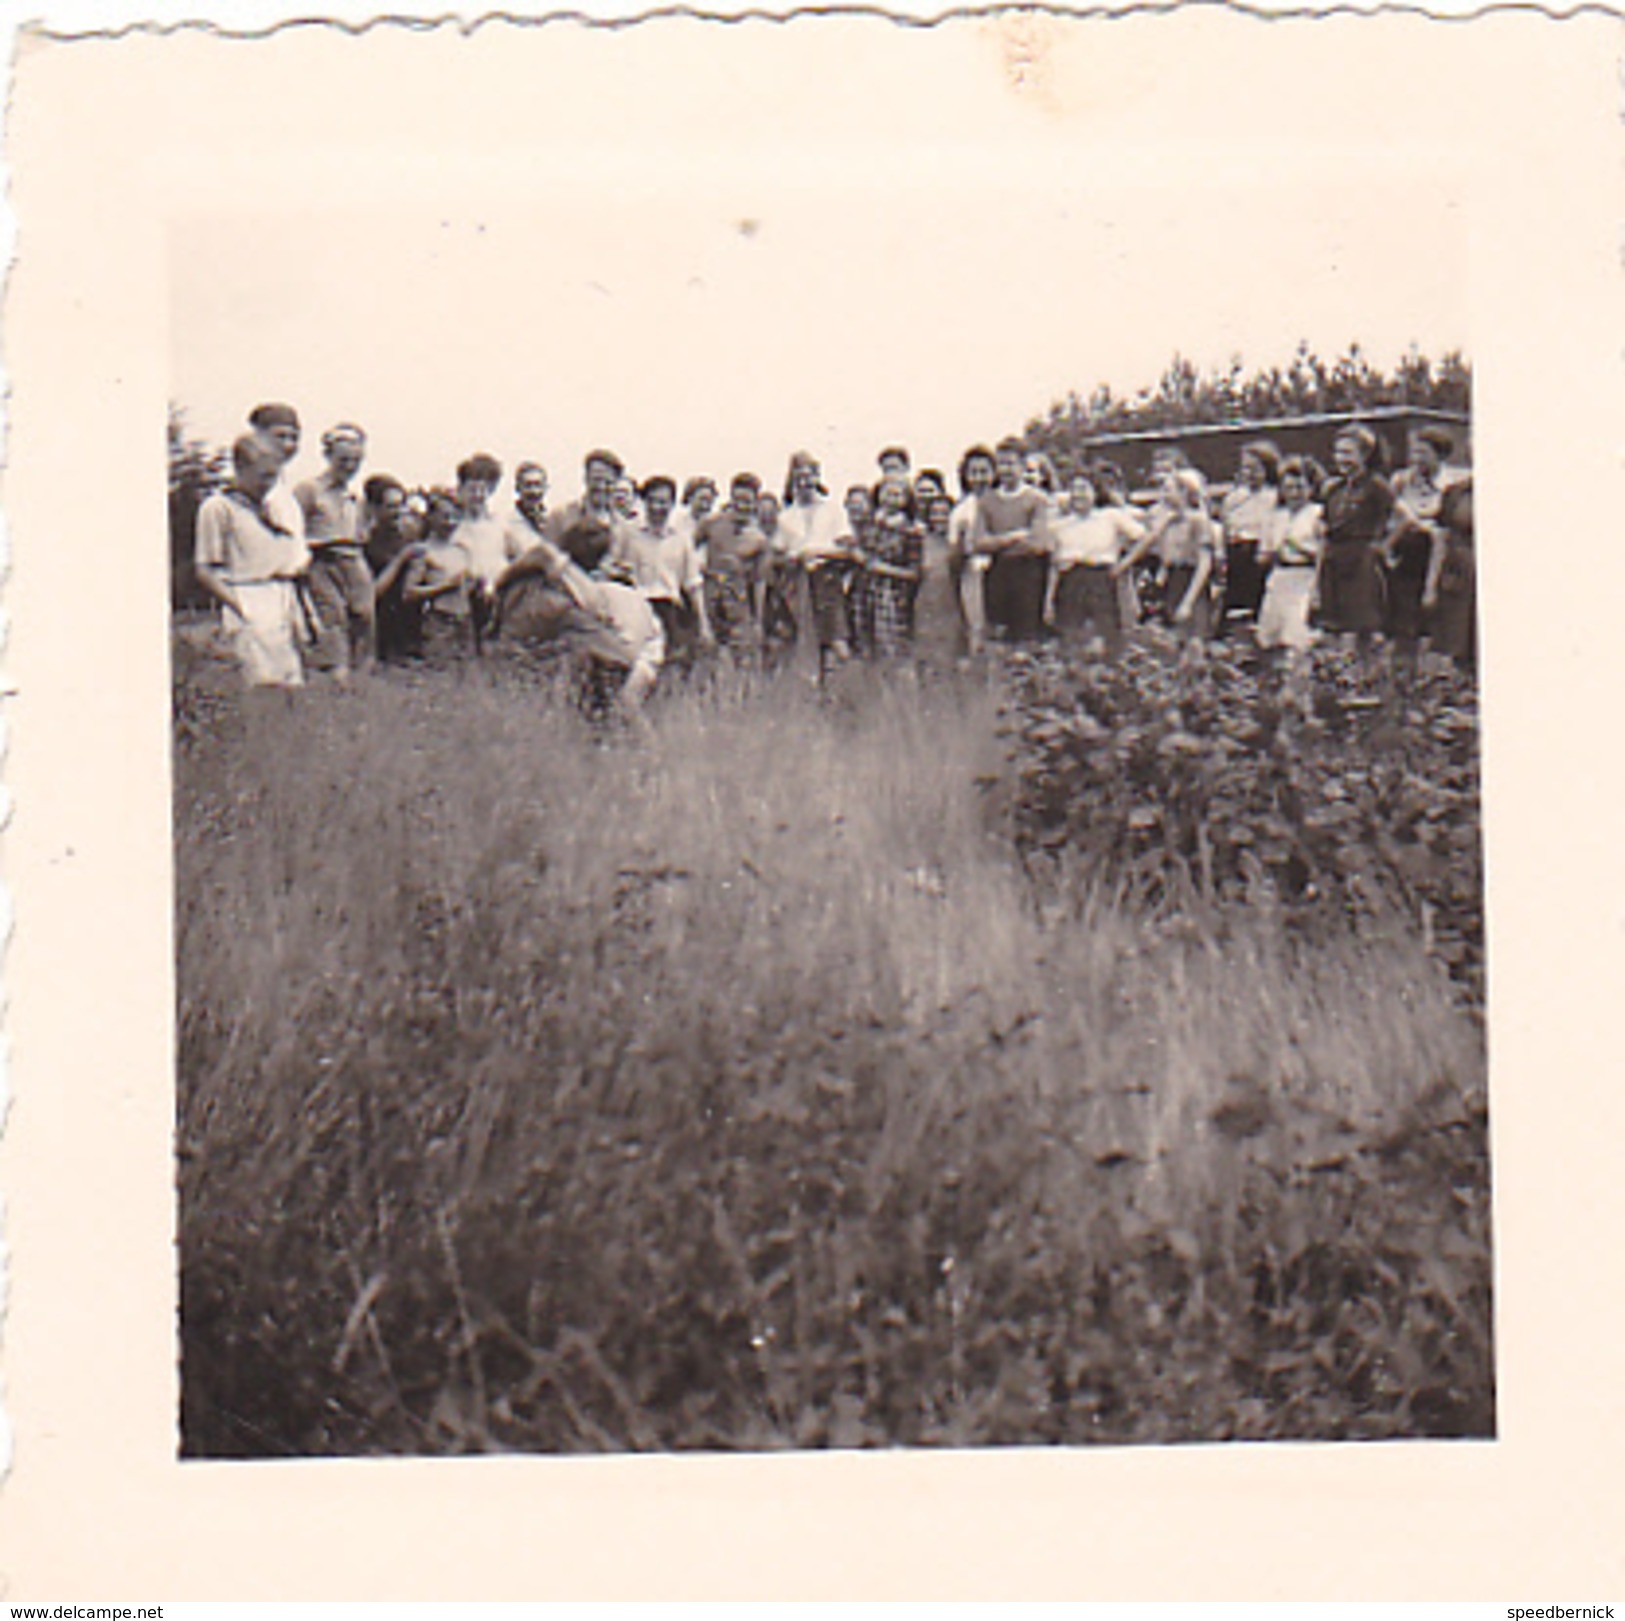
(383, 504)
(399, 622)
(1407, 549)
(733, 545)
(570, 602)
(978, 472)
(894, 461)
(859, 507)
(624, 498)
(1039, 471)
(1013, 530)
(276, 425)
(779, 577)
(1450, 591)
(383, 497)
(487, 540)
(341, 585)
(697, 503)
(1291, 554)
(1182, 536)
(818, 559)
(437, 581)
(939, 633)
(928, 484)
(1094, 546)
(1358, 505)
(665, 567)
(1246, 519)
(602, 470)
(891, 570)
(250, 567)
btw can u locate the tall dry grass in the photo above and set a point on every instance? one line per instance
(730, 1084)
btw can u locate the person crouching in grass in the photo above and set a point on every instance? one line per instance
(252, 567)
(1094, 547)
(604, 587)
(437, 583)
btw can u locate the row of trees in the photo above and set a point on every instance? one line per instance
(195, 469)
(1186, 396)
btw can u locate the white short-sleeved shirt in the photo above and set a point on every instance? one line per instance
(233, 535)
(1099, 539)
(664, 566)
(1249, 514)
(490, 545)
(812, 531)
(1297, 537)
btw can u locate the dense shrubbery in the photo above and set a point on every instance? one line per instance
(739, 1088)
(1199, 784)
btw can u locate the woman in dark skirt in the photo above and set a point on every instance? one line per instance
(1183, 539)
(1247, 519)
(848, 590)
(1418, 490)
(1450, 593)
(1357, 504)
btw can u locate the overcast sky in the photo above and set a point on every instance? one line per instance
(706, 304)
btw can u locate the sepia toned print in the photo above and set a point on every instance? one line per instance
(176, 250)
(727, 934)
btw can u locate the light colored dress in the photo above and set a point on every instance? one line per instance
(1289, 589)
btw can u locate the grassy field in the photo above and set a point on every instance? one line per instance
(738, 1085)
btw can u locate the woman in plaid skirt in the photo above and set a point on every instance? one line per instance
(891, 571)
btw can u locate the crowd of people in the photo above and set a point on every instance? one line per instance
(633, 579)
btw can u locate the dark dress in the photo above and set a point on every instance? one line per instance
(1453, 624)
(1357, 512)
(1410, 547)
(399, 623)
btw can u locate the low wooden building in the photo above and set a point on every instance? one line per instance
(1215, 448)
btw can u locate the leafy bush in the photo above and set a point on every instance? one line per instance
(1198, 785)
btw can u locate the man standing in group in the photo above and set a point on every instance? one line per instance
(603, 472)
(276, 426)
(249, 565)
(488, 541)
(529, 521)
(341, 585)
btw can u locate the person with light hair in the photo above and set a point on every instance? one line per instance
(250, 565)
(341, 583)
(1183, 539)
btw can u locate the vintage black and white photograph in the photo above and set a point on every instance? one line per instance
(826, 754)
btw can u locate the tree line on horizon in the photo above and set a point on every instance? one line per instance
(1186, 396)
